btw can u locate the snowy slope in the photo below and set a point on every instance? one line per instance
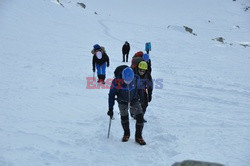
(49, 117)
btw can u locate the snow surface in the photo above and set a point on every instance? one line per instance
(49, 117)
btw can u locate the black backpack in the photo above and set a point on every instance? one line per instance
(118, 71)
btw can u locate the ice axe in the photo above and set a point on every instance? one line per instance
(109, 126)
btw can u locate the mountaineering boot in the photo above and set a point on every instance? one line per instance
(103, 77)
(125, 126)
(125, 138)
(99, 78)
(138, 137)
(140, 141)
(138, 131)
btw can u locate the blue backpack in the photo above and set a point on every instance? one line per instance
(148, 46)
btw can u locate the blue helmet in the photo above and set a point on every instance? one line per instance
(145, 57)
(127, 75)
(97, 47)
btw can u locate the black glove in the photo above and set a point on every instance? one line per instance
(149, 97)
(110, 113)
(93, 69)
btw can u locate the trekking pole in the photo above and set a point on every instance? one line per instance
(109, 126)
(93, 75)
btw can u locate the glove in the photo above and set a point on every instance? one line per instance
(93, 69)
(149, 97)
(108, 65)
(110, 113)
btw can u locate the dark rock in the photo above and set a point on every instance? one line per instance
(81, 4)
(245, 45)
(190, 30)
(219, 39)
(196, 163)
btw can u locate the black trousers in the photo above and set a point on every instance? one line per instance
(125, 55)
(144, 103)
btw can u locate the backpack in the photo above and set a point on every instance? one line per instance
(148, 46)
(138, 54)
(118, 71)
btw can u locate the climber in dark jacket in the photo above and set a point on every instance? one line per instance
(146, 84)
(100, 61)
(125, 51)
(124, 86)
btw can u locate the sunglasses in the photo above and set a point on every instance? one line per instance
(98, 50)
(142, 71)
